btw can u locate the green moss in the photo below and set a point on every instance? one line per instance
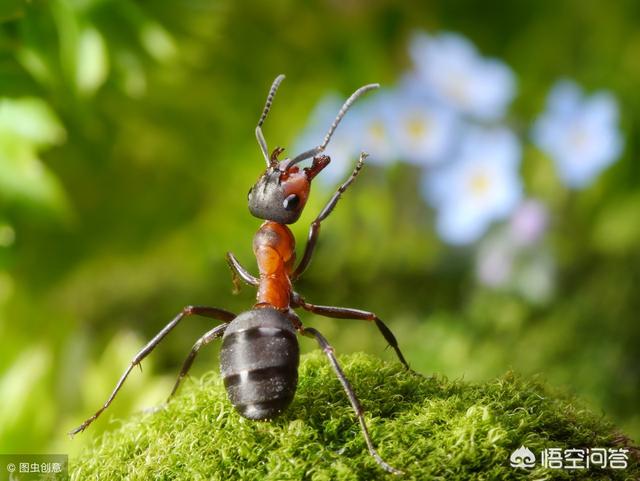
(431, 428)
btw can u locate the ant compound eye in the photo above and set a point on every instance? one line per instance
(249, 193)
(291, 202)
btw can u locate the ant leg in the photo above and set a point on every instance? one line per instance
(349, 313)
(211, 312)
(209, 336)
(346, 385)
(238, 270)
(314, 230)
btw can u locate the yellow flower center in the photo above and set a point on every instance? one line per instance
(417, 128)
(479, 183)
(579, 138)
(376, 129)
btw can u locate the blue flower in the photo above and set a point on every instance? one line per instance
(478, 186)
(422, 128)
(374, 117)
(452, 69)
(579, 133)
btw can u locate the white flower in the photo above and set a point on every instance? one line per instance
(452, 68)
(480, 185)
(580, 134)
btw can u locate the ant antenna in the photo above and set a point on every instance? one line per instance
(316, 150)
(259, 135)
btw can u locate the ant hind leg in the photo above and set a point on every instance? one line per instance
(208, 337)
(204, 311)
(355, 403)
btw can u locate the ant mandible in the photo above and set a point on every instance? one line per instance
(260, 354)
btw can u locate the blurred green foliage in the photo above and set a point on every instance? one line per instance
(127, 149)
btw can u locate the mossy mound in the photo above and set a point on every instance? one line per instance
(431, 428)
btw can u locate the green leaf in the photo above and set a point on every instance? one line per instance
(35, 63)
(17, 383)
(24, 177)
(92, 62)
(7, 237)
(157, 41)
(31, 120)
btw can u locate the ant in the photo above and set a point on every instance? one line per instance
(260, 353)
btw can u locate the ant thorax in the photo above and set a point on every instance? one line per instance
(275, 249)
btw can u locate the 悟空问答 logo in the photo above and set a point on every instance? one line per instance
(522, 457)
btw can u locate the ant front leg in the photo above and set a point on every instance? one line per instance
(314, 230)
(349, 313)
(239, 272)
(346, 385)
(211, 312)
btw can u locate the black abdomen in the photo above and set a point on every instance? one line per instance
(259, 363)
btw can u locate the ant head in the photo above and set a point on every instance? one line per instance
(281, 193)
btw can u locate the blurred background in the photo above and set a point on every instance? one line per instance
(495, 227)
